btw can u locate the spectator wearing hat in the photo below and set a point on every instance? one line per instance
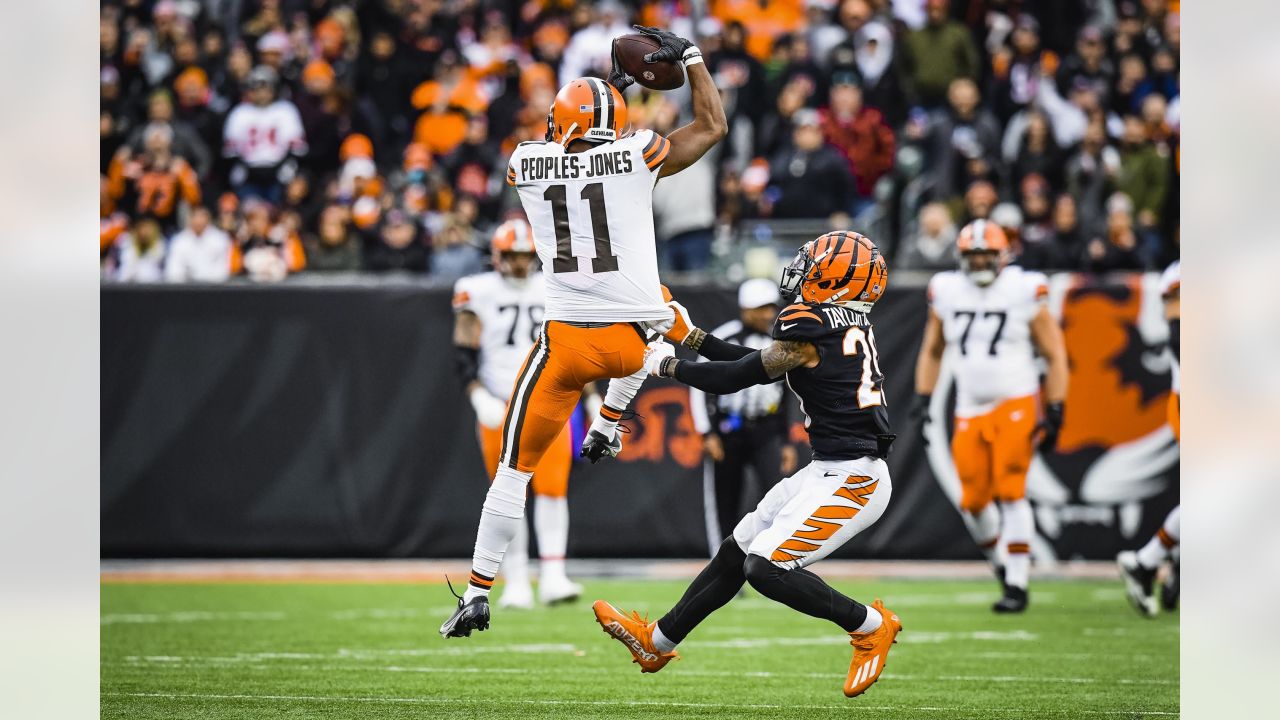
(745, 435)
(741, 79)
(200, 252)
(810, 179)
(870, 54)
(447, 101)
(154, 183)
(325, 115)
(185, 141)
(937, 54)
(383, 84)
(1088, 65)
(860, 134)
(1018, 70)
(335, 246)
(263, 139)
(193, 110)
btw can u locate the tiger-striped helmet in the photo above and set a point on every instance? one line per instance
(840, 267)
(587, 108)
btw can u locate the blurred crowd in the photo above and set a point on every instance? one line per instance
(272, 137)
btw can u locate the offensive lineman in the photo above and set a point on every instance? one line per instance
(588, 192)
(1139, 568)
(991, 316)
(825, 347)
(497, 316)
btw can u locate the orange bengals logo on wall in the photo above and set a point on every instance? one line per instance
(1113, 396)
(663, 428)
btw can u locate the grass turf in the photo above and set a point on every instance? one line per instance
(361, 651)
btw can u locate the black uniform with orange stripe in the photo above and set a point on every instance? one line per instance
(842, 397)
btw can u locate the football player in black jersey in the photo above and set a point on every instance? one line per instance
(825, 348)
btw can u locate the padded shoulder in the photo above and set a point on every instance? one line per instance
(800, 321)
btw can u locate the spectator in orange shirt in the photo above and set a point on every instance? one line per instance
(447, 102)
(861, 135)
(153, 183)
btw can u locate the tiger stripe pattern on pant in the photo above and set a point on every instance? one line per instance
(824, 522)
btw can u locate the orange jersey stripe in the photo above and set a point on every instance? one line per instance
(799, 314)
(659, 154)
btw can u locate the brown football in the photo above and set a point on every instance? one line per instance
(631, 49)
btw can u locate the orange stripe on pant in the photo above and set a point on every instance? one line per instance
(993, 451)
(1175, 415)
(563, 361)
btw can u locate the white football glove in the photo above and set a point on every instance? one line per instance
(490, 411)
(655, 353)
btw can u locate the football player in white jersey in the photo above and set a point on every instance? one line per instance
(993, 319)
(587, 190)
(1139, 568)
(498, 315)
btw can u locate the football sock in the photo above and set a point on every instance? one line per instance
(716, 585)
(872, 623)
(1163, 542)
(551, 521)
(1018, 525)
(662, 643)
(985, 529)
(619, 395)
(500, 520)
(515, 561)
(805, 592)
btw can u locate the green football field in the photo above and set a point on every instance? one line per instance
(372, 651)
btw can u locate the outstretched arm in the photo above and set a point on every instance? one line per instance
(760, 367)
(709, 125)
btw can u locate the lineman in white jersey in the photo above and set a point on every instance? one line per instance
(1139, 568)
(498, 317)
(992, 319)
(587, 191)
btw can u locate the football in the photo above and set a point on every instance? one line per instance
(630, 51)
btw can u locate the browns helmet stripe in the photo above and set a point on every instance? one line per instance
(596, 103)
(607, 94)
(979, 234)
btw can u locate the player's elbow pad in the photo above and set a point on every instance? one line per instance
(467, 362)
(722, 378)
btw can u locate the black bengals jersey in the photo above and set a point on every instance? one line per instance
(842, 398)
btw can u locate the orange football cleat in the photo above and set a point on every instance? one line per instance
(871, 651)
(634, 632)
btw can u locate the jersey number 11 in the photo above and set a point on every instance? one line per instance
(566, 261)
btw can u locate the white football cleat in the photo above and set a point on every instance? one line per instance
(1139, 583)
(517, 597)
(555, 590)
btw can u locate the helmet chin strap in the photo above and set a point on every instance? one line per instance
(564, 139)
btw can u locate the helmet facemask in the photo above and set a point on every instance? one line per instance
(793, 276)
(985, 273)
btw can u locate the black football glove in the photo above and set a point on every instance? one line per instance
(1050, 425)
(919, 415)
(617, 76)
(673, 46)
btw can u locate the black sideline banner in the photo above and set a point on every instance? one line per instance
(300, 421)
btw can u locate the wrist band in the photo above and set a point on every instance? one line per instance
(668, 367)
(694, 340)
(692, 56)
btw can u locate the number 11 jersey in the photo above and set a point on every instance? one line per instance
(592, 219)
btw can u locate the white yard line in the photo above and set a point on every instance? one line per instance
(629, 703)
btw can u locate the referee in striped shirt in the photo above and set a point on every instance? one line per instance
(747, 429)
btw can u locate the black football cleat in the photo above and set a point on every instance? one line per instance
(1169, 592)
(469, 616)
(1139, 583)
(596, 446)
(999, 571)
(1015, 600)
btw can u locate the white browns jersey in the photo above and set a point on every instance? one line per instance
(988, 334)
(592, 219)
(510, 314)
(264, 136)
(1170, 283)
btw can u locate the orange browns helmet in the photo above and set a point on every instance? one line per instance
(512, 236)
(982, 236)
(840, 267)
(587, 108)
